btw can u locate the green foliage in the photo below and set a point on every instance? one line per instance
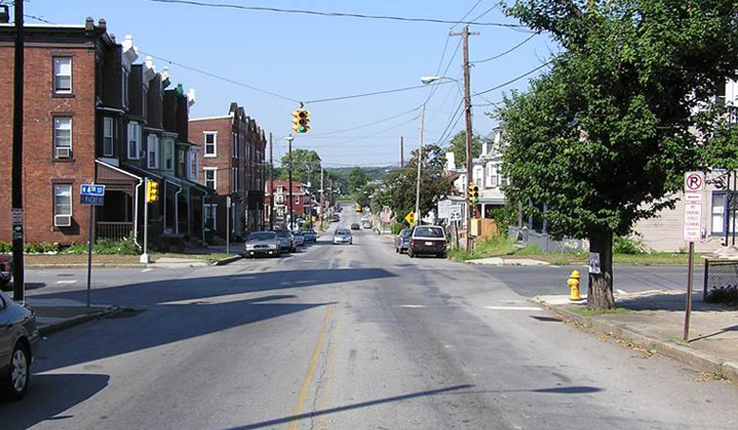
(303, 160)
(628, 246)
(458, 147)
(357, 178)
(41, 248)
(126, 246)
(397, 228)
(6, 248)
(505, 217)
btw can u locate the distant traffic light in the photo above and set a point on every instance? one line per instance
(473, 194)
(301, 120)
(152, 191)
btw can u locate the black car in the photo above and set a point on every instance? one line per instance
(355, 226)
(428, 239)
(402, 240)
(18, 337)
(6, 271)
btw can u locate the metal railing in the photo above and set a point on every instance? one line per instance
(114, 230)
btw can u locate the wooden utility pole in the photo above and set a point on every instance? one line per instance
(271, 181)
(402, 152)
(420, 163)
(17, 160)
(468, 108)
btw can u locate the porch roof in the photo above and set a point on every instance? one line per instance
(115, 178)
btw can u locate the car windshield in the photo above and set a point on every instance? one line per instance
(283, 233)
(297, 233)
(435, 232)
(405, 232)
(263, 235)
(343, 232)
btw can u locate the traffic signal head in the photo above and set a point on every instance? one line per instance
(152, 191)
(301, 121)
(472, 194)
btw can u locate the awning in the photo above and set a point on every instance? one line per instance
(115, 178)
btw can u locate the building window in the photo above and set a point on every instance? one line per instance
(209, 213)
(63, 132)
(153, 150)
(63, 75)
(134, 140)
(63, 199)
(144, 102)
(719, 215)
(234, 145)
(108, 136)
(193, 165)
(124, 85)
(210, 177)
(168, 155)
(211, 143)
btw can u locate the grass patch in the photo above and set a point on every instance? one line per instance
(589, 313)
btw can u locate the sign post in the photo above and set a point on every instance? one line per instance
(92, 195)
(228, 225)
(694, 183)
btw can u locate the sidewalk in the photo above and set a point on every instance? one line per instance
(654, 320)
(53, 315)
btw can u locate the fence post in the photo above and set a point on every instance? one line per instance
(704, 283)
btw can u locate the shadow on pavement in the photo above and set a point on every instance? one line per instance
(48, 396)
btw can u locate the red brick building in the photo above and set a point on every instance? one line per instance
(92, 115)
(232, 163)
(279, 191)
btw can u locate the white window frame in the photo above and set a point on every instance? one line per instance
(57, 195)
(56, 129)
(108, 136)
(205, 144)
(153, 141)
(213, 209)
(134, 141)
(215, 177)
(59, 74)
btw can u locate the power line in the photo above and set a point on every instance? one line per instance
(513, 80)
(467, 14)
(443, 135)
(213, 75)
(369, 135)
(488, 11)
(333, 14)
(354, 96)
(508, 51)
(365, 125)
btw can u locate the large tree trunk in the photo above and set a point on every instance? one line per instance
(599, 294)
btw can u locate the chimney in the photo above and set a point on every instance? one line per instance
(485, 147)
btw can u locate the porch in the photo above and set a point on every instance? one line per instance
(115, 219)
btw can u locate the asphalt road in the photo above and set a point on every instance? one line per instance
(345, 337)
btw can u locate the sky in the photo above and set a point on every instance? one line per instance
(305, 58)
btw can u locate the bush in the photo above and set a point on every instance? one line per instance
(125, 246)
(625, 245)
(76, 248)
(6, 248)
(727, 295)
(40, 248)
(397, 227)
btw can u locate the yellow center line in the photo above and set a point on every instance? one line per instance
(307, 382)
(324, 401)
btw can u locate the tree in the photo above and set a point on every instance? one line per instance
(458, 147)
(603, 138)
(399, 187)
(303, 160)
(357, 178)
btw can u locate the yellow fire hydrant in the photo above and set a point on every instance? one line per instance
(573, 284)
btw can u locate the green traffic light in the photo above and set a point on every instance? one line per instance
(303, 129)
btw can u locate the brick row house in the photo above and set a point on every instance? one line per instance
(93, 115)
(279, 191)
(232, 163)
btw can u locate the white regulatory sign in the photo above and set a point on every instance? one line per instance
(454, 213)
(694, 181)
(443, 208)
(692, 222)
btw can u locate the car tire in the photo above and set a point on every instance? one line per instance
(410, 253)
(293, 249)
(15, 383)
(4, 284)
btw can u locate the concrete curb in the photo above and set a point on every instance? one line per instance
(227, 260)
(94, 266)
(81, 319)
(697, 359)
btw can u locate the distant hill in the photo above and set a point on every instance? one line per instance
(373, 172)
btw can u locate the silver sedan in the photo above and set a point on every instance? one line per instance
(18, 337)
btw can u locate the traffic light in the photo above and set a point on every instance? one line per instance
(473, 194)
(301, 121)
(152, 191)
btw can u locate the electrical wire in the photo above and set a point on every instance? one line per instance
(508, 51)
(488, 11)
(369, 135)
(365, 125)
(213, 75)
(467, 14)
(513, 80)
(443, 135)
(333, 14)
(354, 96)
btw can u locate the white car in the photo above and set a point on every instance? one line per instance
(343, 236)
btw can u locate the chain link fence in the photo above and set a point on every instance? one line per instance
(721, 282)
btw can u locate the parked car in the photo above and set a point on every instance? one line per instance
(335, 218)
(299, 238)
(366, 223)
(262, 243)
(286, 241)
(310, 236)
(355, 226)
(6, 271)
(18, 338)
(343, 236)
(402, 240)
(427, 239)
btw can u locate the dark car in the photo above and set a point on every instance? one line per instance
(310, 236)
(262, 243)
(299, 238)
(427, 239)
(286, 240)
(6, 271)
(335, 218)
(18, 337)
(355, 226)
(402, 240)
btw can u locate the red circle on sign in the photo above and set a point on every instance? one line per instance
(693, 182)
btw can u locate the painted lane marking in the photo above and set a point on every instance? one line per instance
(307, 382)
(147, 270)
(66, 282)
(513, 308)
(619, 291)
(413, 306)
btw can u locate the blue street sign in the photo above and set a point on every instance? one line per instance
(92, 190)
(86, 199)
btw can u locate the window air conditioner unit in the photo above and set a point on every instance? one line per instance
(62, 220)
(63, 152)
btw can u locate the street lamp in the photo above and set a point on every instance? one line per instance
(431, 79)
